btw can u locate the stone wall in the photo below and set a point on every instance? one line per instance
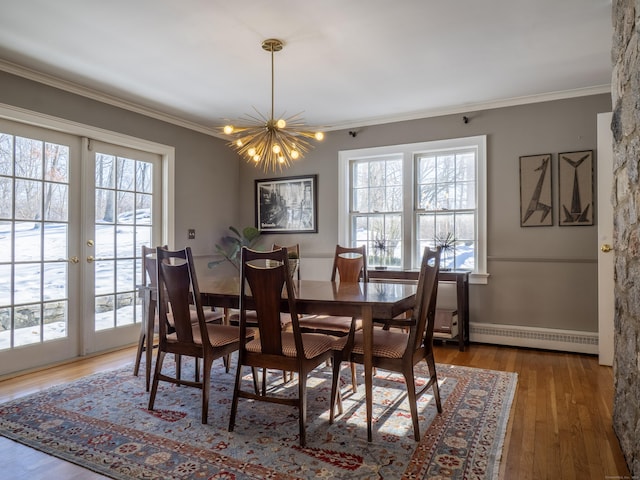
(626, 201)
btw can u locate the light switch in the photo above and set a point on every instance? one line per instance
(191, 233)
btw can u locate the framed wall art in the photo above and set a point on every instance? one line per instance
(575, 188)
(536, 202)
(287, 204)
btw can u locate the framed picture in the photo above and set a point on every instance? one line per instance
(575, 188)
(287, 204)
(536, 202)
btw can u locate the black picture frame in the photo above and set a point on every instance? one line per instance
(576, 188)
(287, 204)
(536, 200)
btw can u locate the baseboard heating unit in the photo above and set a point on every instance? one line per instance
(533, 337)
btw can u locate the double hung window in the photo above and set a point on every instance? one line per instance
(399, 199)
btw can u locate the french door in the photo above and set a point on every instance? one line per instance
(122, 213)
(73, 215)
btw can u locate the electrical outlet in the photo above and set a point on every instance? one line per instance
(191, 234)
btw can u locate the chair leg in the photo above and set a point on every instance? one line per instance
(335, 390)
(431, 362)
(264, 382)
(354, 379)
(256, 382)
(413, 402)
(178, 366)
(302, 407)
(156, 376)
(206, 386)
(141, 338)
(234, 401)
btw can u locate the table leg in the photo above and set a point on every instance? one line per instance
(367, 332)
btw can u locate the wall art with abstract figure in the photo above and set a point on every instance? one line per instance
(287, 204)
(575, 188)
(536, 202)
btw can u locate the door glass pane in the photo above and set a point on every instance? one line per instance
(27, 324)
(55, 320)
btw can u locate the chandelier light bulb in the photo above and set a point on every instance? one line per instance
(239, 142)
(280, 159)
(281, 123)
(256, 158)
(295, 154)
(319, 136)
(276, 149)
(228, 129)
(251, 152)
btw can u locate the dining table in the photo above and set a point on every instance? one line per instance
(362, 300)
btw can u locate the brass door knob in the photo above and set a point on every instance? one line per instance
(606, 248)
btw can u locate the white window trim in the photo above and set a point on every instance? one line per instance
(480, 275)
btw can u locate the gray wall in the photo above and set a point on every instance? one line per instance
(539, 276)
(543, 277)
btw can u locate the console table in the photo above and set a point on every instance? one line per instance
(461, 279)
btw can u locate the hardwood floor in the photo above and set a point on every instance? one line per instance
(560, 424)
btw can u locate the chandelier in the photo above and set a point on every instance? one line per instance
(267, 141)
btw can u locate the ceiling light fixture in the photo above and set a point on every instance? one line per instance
(272, 143)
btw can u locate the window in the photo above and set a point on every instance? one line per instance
(399, 199)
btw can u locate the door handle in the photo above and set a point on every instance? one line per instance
(606, 248)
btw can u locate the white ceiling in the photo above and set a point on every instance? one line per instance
(345, 63)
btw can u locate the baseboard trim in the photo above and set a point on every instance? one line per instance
(533, 337)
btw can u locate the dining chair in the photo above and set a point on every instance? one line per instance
(149, 323)
(263, 277)
(398, 351)
(350, 266)
(234, 318)
(177, 290)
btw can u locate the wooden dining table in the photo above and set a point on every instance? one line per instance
(362, 300)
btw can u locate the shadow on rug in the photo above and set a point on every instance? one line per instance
(101, 422)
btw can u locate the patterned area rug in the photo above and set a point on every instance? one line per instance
(101, 422)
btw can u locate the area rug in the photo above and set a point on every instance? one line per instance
(102, 423)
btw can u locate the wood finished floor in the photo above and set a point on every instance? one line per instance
(560, 425)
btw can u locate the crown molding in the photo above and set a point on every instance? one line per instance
(418, 114)
(77, 89)
(474, 107)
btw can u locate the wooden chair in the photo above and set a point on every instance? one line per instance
(178, 290)
(400, 351)
(149, 323)
(349, 265)
(265, 274)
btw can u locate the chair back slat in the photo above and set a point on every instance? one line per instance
(424, 312)
(177, 290)
(350, 264)
(264, 275)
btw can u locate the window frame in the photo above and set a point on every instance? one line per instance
(409, 152)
